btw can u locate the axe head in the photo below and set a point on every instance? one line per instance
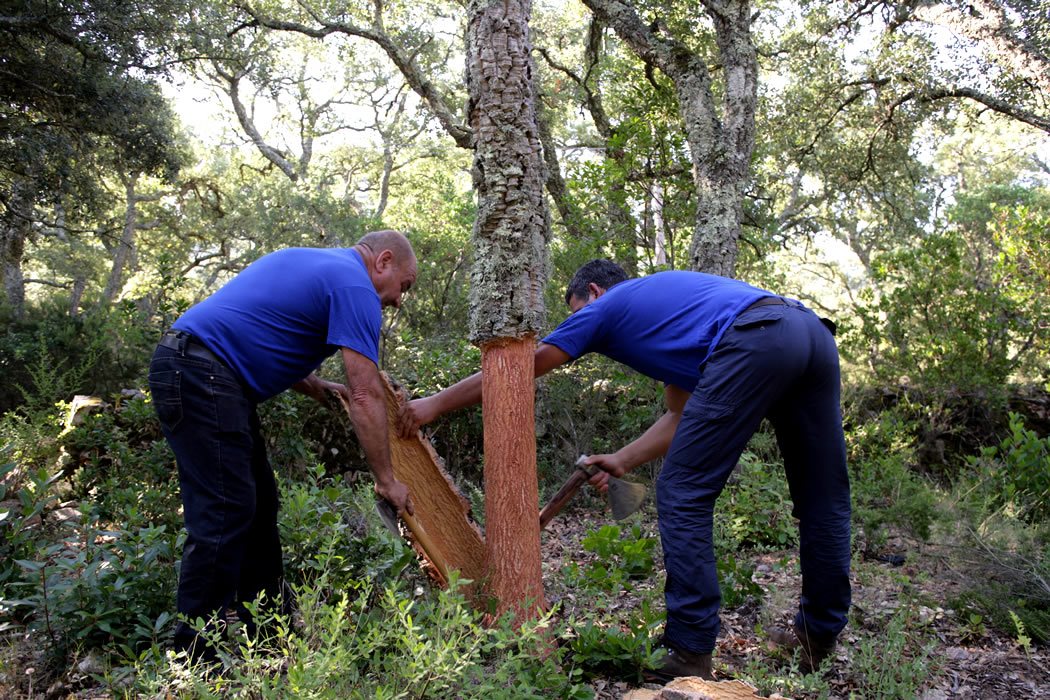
(388, 515)
(625, 497)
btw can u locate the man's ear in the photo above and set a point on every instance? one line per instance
(595, 290)
(384, 260)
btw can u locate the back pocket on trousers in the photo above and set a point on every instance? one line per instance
(165, 391)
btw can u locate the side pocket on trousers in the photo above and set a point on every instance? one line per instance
(708, 411)
(165, 391)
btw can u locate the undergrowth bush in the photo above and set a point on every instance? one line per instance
(754, 509)
(372, 641)
(100, 588)
(897, 662)
(1015, 474)
(885, 489)
(622, 643)
(621, 555)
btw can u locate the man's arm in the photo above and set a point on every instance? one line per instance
(367, 399)
(316, 388)
(466, 392)
(651, 444)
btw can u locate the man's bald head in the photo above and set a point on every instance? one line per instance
(394, 241)
(391, 264)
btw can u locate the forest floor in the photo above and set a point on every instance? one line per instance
(916, 584)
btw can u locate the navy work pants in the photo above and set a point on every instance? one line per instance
(781, 363)
(229, 496)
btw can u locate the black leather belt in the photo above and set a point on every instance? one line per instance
(187, 344)
(772, 301)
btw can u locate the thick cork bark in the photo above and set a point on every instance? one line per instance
(512, 526)
(441, 510)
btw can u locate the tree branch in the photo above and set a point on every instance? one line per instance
(405, 62)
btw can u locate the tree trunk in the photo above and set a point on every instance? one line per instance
(510, 240)
(512, 524)
(123, 251)
(720, 144)
(659, 234)
(16, 227)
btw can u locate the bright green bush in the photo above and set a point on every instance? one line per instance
(897, 662)
(964, 310)
(1016, 473)
(754, 510)
(329, 531)
(621, 555)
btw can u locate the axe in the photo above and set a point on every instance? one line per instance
(389, 517)
(625, 497)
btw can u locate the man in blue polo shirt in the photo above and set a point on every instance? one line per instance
(729, 355)
(265, 331)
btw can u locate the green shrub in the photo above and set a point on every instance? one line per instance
(621, 556)
(621, 648)
(378, 641)
(329, 530)
(20, 524)
(896, 662)
(100, 587)
(736, 583)
(1016, 473)
(754, 510)
(885, 490)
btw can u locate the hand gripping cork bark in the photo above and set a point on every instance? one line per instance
(442, 530)
(624, 497)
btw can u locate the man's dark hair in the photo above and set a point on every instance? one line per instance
(604, 273)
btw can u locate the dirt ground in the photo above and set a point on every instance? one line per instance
(909, 577)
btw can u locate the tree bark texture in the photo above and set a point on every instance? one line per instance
(440, 508)
(720, 141)
(512, 524)
(512, 227)
(510, 238)
(16, 227)
(126, 246)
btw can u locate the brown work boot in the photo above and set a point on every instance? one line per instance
(679, 663)
(813, 652)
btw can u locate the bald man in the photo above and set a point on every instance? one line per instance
(267, 330)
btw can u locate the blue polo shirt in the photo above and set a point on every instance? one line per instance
(275, 322)
(665, 325)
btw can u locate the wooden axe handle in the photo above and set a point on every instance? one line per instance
(578, 478)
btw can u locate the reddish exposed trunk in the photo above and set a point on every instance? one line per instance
(512, 526)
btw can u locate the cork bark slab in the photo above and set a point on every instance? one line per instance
(692, 688)
(440, 508)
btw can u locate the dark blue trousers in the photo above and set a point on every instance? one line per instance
(781, 363)
(229, 496)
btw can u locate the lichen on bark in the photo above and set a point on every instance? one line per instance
(512, 228)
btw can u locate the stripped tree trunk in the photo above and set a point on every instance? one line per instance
(510, 240)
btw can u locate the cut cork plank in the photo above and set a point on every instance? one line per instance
(441, 510)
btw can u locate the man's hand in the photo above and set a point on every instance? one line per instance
(317, 388)
(412, 414)
(396, 494)
(608, 465)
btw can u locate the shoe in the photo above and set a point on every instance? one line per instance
(813, 652)
(679, 663)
